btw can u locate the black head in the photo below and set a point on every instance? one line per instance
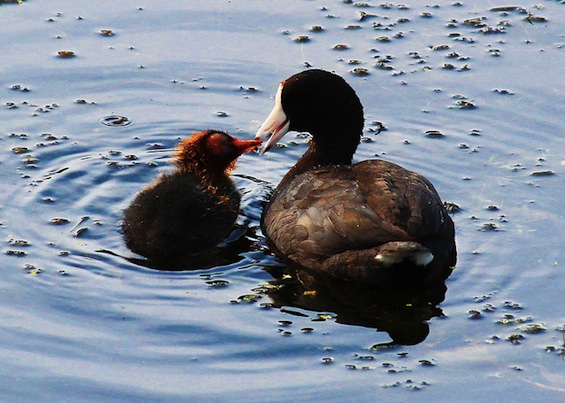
(321, 103)
(318, 101)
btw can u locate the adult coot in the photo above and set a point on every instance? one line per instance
(194, 207)
(373, 221)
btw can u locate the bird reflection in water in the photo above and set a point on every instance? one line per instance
(230, 251)
(401, 312)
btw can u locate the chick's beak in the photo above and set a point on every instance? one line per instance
(243, 146)
(276, 125)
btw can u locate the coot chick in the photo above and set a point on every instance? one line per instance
(374, 221)
(194, 207)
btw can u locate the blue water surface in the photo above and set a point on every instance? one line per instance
(81, 322)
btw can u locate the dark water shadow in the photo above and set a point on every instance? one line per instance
(242, 239)
(402, 313)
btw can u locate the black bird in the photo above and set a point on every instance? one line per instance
(373, 221)
(194, 207)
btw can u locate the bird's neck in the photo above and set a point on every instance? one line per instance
(209, 176)
(322, 155)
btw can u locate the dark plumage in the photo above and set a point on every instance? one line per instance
(373, 221)
(194, 207)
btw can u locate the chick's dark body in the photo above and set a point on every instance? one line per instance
(178, 216)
